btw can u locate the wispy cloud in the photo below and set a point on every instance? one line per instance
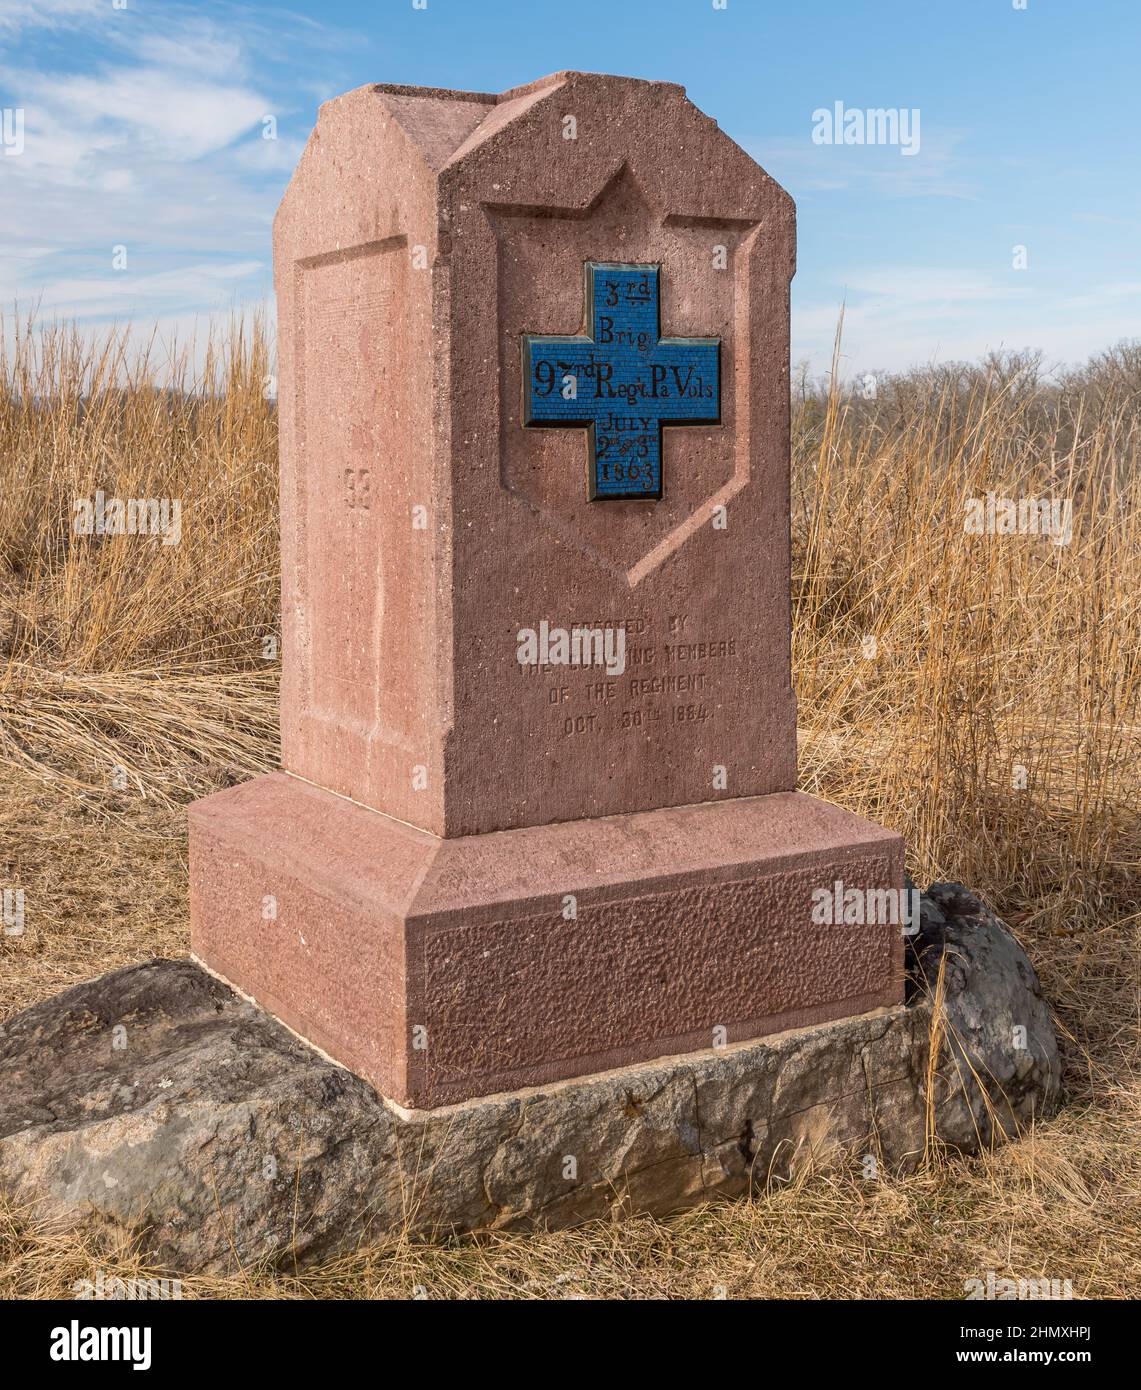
(926, 286)
(150, 137)
(937, 170)
(49, 14)
(164, 291)
(895, 317)
(78, 124)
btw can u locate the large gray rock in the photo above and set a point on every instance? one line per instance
(999, 1066)
(155, 1104)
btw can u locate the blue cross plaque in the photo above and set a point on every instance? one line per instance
(621, 381)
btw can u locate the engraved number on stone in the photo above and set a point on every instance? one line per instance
(357, 493)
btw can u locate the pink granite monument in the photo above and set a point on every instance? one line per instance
(537, 816)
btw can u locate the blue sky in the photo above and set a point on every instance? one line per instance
(143, 129)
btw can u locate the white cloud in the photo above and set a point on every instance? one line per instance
(937, 170)
(123, 294)
(159, 151)
(264, 156)
(896, 318)
(46, 14)
(132, 113)
(197, 47)
(928, 285)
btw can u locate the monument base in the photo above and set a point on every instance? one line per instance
(165, 1144)
(444, 969)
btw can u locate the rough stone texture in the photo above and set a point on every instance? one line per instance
(423, 233)
(383, 938)
(991, 992)
(215, 1136)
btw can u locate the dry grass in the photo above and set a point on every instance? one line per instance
(930, 665)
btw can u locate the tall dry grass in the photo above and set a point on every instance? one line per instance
(931, 665)
(999, 660)
(121, 652)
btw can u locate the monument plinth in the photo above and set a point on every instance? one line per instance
(537, 814)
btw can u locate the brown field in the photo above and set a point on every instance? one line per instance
(133, 677)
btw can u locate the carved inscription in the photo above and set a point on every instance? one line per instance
(621, 381)
(671, 680)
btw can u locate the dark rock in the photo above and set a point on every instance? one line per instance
(154, 1104)
(999, 1062)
